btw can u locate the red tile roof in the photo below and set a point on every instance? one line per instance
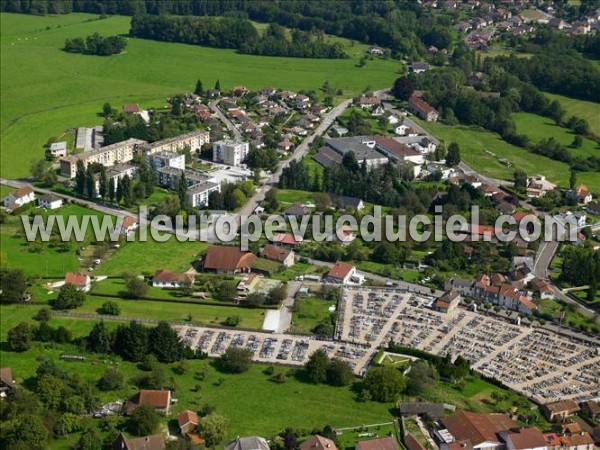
(286, 238)
(76, 279)
(227, 258)
(186, 417)
(318, 443)
(275, 253)
(388, 443)
(477, 428)
(340, 270)
(6, 377)
(417, 102)
(131, 108)
(166, 276)
(526, 438)
(395, 147)
(159, 399)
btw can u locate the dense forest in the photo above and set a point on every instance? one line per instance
(95, 44)
(237, 33)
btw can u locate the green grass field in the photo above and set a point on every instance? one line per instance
(45, 90)
(147, 257)
(308, 312)
(538, 127)
(589, 111)
(475, 142)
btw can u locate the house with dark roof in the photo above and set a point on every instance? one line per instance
(248, 443)
(7, 383)
(296, 210)
(49, 201)
(167, 279)
(224, 259)
(160, 400)
(591, 409)
(447, 302)
(317, 442)
(560, 411)
(345, 202)
(363, 148)
(81, 281)
(419, 67)
(279, 254)
(154, 442)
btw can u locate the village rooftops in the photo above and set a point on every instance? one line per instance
(388, 443)
(21, 192)
(275, 253)
(187, 417)
(76, 279)
(521, 438)
(166, 276)
(131, 108)
(394, 147)
(340, 270)
(227, 258)
(159, 399)
(477, 428)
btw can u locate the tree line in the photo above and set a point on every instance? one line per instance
(236, 33)
(95, 44)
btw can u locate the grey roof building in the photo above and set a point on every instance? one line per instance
(248, 443)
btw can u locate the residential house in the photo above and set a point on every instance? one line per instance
(81, 281)
(591, 409)
(524, 438)
(344, 273)
(19, 197)
(388, 443)
(280, 254)
(391, 117)
(49, 201)
(411, 443)
(374, 50)
(166, 159)
(285, 145)
(212, 93)
(296, 210)
(577, 441)
(58, 149)
(166, 279)
(224, 259)
(248, 443)
(134, 108)
(230, 152)
(160, 400)
(153, 442)
(268, 91)
(345, 202)
(447, 302)
(560, 411)
(422, 109)
(345, 235)
(584, 196)
(338, 130)
(479, 429)
(368, 102)
(7, 383)
(538, 186)
(239, 91)
(419, 67)
(287, 239)
(317, 442)
(542, 288)
(188, 422)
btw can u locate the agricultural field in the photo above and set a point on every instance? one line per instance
(51, 91)
(589, 111)
(538, 127)
(475, 143)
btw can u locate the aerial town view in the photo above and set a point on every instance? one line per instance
(300, 224)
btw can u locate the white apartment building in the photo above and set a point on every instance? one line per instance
(193, 140)
(230, 152)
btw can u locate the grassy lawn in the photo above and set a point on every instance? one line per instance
(538, 127)
(475, 142)
(147, 257)
(177, 312)
(347, 439)
(389, 270)
(308, 312)
(42, 259)
(45, 90)
(289, 196)
(298, 269)
(589, 111)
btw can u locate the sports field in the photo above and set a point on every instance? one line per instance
(45, 90)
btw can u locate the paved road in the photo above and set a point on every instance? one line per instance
(230, 126)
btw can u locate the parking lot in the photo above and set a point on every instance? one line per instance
(534, 361)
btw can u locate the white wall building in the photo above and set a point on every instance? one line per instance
(230, 152)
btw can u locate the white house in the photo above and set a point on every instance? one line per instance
(168, 279)
(344, 273)
(129, 225)
(20, 197)
(401, 129)
(49, 201)
(58, 149)
(81, 281)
